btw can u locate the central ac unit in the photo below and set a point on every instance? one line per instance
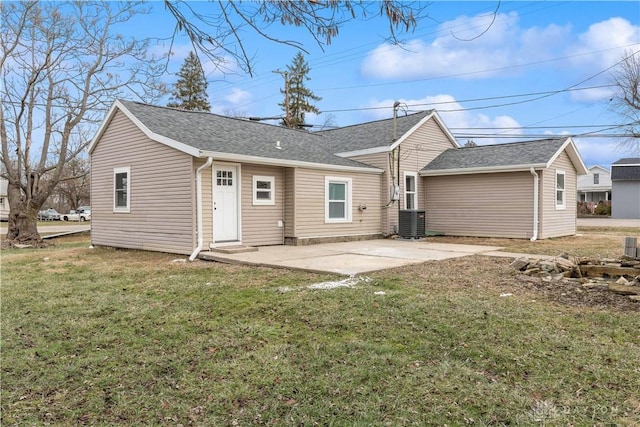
(411, 224)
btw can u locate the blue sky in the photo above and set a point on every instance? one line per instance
(539, 68)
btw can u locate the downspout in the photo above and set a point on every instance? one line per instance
(197, 250)
(536, 191)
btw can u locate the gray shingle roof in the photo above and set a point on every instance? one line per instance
(626, 169)
(369, 135)
(499, 155)
(214, 133)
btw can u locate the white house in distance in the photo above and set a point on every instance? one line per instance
(4, 200)
(595, 186)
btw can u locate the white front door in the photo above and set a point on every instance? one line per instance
(225, 203)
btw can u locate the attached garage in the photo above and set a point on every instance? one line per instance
(516, 190)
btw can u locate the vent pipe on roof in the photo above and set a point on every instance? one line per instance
(536, 190)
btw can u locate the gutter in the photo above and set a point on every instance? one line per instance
(197, 250)
(536, 191)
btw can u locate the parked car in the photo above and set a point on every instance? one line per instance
(81, 215)
(48, 215)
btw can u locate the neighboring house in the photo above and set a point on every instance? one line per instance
(4, 200)
(625, 183)
(595, 186)
(181, 181)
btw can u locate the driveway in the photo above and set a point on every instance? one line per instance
(350, 258)
(608, 222)
(54, 228)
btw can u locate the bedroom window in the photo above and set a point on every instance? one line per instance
(121, 189)
(410, 192)
(264, 190)
(337, 199)
(596, 178)
(560, 190)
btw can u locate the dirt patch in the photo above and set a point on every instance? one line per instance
(573, 293)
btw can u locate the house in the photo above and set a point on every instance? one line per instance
(182, 182)
(595, 186)
(625, 188)
(4, 200)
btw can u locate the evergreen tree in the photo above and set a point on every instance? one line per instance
(190, 91)
(297, 95)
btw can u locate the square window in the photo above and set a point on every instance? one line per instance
(264, 190)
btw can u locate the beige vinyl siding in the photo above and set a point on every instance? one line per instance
(290, 202)
(162, 192)
(416, 151)
(380, 160)
(310, 204)
(483, 205)
(558, 222)
(260, 223)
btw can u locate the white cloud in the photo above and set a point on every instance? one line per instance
(455, 52)
(238, 96)
(607, 40)
(449, 110)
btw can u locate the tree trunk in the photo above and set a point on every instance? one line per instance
(23, 223)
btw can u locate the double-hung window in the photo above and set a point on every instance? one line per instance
(264, 190)
(410, 191)
(122, 189)
(596, 178)
(560, 190)
(337, 199)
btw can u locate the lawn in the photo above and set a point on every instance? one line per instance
(103, 337)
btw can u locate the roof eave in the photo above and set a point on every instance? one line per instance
(117, 105)
(483, 169)
(572, 152)
(243, 158)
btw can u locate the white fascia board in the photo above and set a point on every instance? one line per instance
(434, 115)
(151, 135)
(494, 169)
(625, 164)
(374, 150)
(388, 148)
(598, 167)
(572, 152)
(103, 125)
(594, 189)
(242, 158)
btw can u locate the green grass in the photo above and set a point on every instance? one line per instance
(103, 337)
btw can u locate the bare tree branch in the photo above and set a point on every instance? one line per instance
(218, 33)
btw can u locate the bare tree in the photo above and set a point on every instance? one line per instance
(62, 65)
(217, 30)
(74, 187)
(626, 101)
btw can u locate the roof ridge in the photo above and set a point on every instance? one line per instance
(423, 112)
(502, 144)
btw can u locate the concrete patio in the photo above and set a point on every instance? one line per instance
(350, 258)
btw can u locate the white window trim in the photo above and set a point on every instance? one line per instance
(414, 193)
(264, 202)
(341, 180)
(121, 209)
(562, 205)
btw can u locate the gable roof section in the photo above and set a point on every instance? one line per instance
(509, 157)
(203, 134)
(627, 169)
(378, 136)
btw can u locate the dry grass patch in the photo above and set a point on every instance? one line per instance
(132, 338)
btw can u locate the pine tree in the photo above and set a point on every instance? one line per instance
(297, 95)
(190, 91)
